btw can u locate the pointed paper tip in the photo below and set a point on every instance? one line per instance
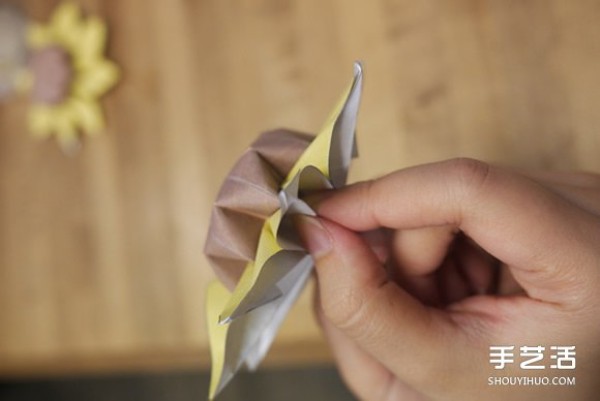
(358, 68)
(213, 393)
(216, 388)
(230, 314)
(358, 76)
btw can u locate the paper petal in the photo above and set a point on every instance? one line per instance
(246, 340)
(89, 115)
(95, 80)
(39, 35)
(92, 42)
(66, 25)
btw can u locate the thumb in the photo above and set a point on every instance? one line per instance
(358, 298)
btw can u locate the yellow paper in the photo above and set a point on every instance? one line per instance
(84, 40)
(216, 298)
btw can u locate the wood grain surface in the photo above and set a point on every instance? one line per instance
(101, 264)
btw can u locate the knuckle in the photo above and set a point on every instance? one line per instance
(469, 174)
(368, 194)
(347, 310)
(357, 313)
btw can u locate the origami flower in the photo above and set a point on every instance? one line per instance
(68, 75)
(253, 242)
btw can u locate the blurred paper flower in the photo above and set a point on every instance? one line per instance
(68, 75)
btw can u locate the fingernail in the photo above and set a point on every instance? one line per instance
(314, 235)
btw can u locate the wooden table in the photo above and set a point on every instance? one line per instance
(101, 264)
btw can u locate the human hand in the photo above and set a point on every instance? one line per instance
(460, 256)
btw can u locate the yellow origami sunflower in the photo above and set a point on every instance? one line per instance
(68, 75)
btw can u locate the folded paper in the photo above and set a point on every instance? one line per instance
(248, 196)
(67, 76)
(252, 242)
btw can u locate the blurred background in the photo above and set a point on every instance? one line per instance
(102, 275)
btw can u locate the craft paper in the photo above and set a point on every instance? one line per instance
(243, 324)
(84, 41)
(248, 196)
